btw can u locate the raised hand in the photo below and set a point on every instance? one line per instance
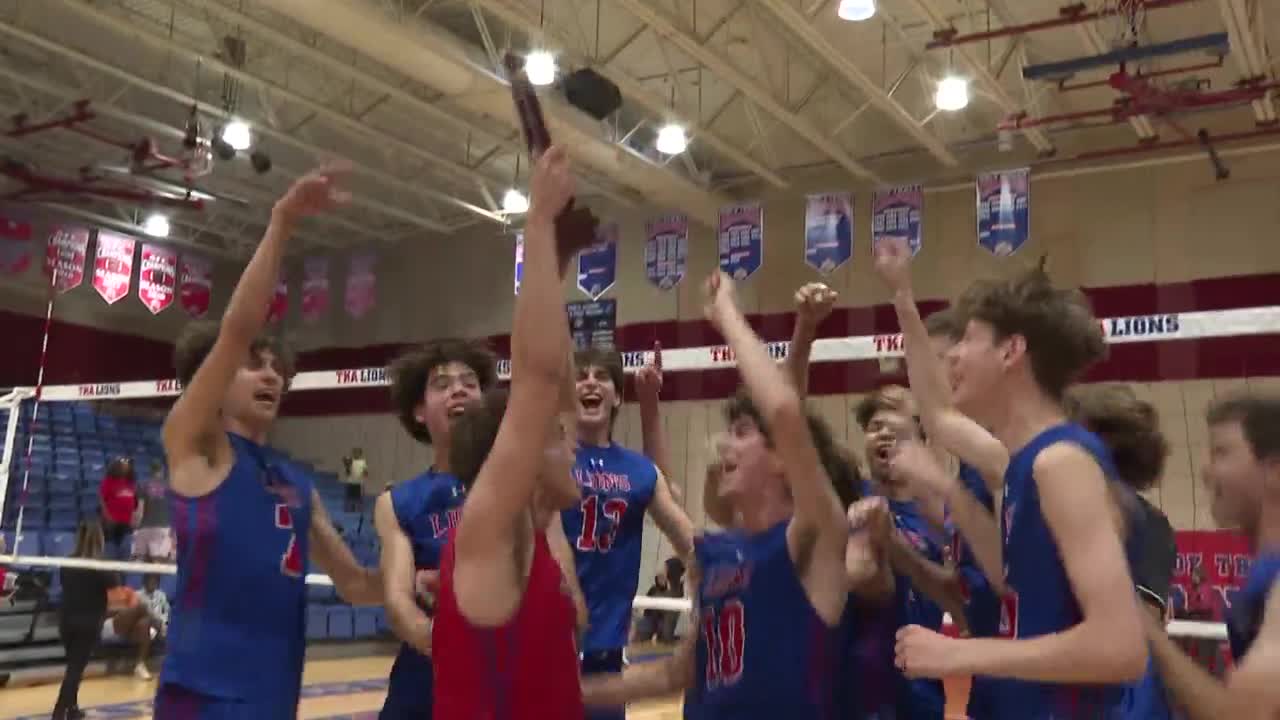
(915, 465)
(814, 302)
(719, 299)
(649, 377)
(892, 261)
(316, 192)
(551, 186)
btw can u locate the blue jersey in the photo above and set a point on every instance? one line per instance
(606, 531)
(919, 698)
(867, 684)
(1040, 600)
(238, 630)
(1245, 618)
(425, 507)
(1147, 699)
(762, 650)
(981, 606)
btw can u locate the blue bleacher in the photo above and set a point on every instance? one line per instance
(317, 622)
(341, 623)
(366, 623)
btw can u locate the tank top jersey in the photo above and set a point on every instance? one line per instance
(1040, 600)
(427, 507)
(918, 698)
(238, 626)
(526, 669)
(762, 650)
(606, 531)
(1244, 620)
(867, 682)
(982, 607)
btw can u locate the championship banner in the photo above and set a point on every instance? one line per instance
(592, 324)
(1224, 559)
(158, 277)
(315, 288)
(898, 212)
(828, 231)
(598, 264)
(666, 250)
(741, 240)
(279, 301)
(362, 291)
(15, 246)
(195, 284)
(519, 271)
(1004, 210)
(66, 252)
(113, 265)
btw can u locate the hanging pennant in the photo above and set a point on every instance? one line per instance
(113, 265)
(315, 288)
(1004, 210)
(666, 250)
(898, 213)
(66, 253)
(15, 246)
(592, 324)
(519, 271)
(195, 284)
(741, 240)
(598, 264)
(361, 291)
(157, 277)
(279, 300)
(828, 231)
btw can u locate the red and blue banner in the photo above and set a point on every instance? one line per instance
(598, 264)
(828, 231)
(741, 233)
(899, 213)
(666, 250)
(1004, 210)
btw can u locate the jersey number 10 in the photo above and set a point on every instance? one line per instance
(614, 509)
(725, 633)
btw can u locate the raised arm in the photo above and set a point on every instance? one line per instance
(408, 620)
(504, 487)
(193, 429)
(813, 304)
(664, 508)
(356, 584)
(927, 376)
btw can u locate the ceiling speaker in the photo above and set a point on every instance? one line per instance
(592, 93)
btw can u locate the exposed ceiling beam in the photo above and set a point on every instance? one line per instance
(525, 19)
(283, 138)
(990, 83)
(753, 91)
(798, 24)
(433, 57)
(1141, 124)
(1249, 50)
(136, 231)
(351, 125)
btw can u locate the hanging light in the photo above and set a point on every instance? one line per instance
(856, 10)
(952, 94)
(540, 67)
(236, 134)
(514, 202)
(156, 225)
(671, 140)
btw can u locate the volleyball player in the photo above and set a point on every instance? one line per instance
(503, 637)
(606, 529)
(246, 518)
(772, 590)
(1069, 639)
(1243, 478)
(430, 387)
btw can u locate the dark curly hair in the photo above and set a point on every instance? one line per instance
(1063, 337)
(409, 374)
(197, 339)
(1128, 426)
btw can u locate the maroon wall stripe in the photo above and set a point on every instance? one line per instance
(81, 354)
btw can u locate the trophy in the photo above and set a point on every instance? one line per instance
(575, 226)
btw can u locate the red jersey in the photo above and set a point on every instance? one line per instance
(526, 669)
(119, 498)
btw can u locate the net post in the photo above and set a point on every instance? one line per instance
(13, 401)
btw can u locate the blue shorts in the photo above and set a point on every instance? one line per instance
(603, 661)
(410, 691)
(174, 702)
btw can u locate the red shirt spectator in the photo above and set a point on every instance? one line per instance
(1201, 603)
(119, 492)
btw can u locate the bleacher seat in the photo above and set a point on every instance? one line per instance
(59, 543)
(366, 624)
(317, 623)
(341, 623)
(63, 519)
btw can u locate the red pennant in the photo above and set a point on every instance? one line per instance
(113, 266)
(157, 278)
(195, 284)
(15, 246)
(279, 302)
(66, 252)
(315, 288)
(362, 288)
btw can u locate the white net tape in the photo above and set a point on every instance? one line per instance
(1139, 328)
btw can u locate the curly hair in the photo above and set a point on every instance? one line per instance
(1128, 426)
(197, 339)
(410, 371)
(1062, 335)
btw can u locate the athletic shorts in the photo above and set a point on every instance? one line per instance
(174, 702)
(153, 542)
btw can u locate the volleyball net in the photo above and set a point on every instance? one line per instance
(69, 431)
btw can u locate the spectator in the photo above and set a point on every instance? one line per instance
(84, 608)
(1200, 601)
(156, 602)
(153, 540)
(651, 620)
(119, 499)
(357, 471)
(129, 621)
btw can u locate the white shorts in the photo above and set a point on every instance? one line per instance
(109, 630)
(153, 542)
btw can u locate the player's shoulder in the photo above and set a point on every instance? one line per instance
(635, 458)
(1068, 455)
